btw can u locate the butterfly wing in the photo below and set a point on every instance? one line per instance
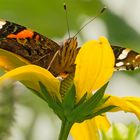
(38, 49)
(32, 46)
(126, 59)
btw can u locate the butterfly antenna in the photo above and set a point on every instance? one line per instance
(65, 8)
(102, 11)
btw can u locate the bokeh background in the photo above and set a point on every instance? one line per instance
(120, 24)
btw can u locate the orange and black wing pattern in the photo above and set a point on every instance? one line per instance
(32, 46)
(38, 49)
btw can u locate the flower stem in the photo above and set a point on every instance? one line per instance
(65, 129)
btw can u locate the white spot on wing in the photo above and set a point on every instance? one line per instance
(136, 68)
(2, 22)
(137, 56)
(127, 63)
(122, 68)
(119, 64)
(124, 54)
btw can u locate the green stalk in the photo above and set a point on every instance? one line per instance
(65, 129)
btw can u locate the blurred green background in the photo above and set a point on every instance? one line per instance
(120, 24)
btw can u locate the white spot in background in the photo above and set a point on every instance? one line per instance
(116, 6)
(45, 129)
(127, 9)
(21, 122)
(2, 22)
(94, 29)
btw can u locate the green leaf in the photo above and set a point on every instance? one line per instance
(122, 132)
(69, 99)
(52, 102)
(82, 100)
(104, 136)
(86, 108)
(104, 99)
(94, 100)
(116, 133)
(131, 132)
(100, 112)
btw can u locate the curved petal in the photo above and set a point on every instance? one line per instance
(86, 130)
(127, 104)
(9, 61)
(102, 123)
(134, 100)
(94, 66)
(30, 75)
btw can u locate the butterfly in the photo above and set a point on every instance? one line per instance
(38, 49)
(57, 58)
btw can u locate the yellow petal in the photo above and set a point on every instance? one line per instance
(86, 130)
(134, 100)
(30, 75)
(102, 123)
(9, 61)
(94, 66)
(127, 104)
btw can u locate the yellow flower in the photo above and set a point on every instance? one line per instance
(94, 67)
(9, 61)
